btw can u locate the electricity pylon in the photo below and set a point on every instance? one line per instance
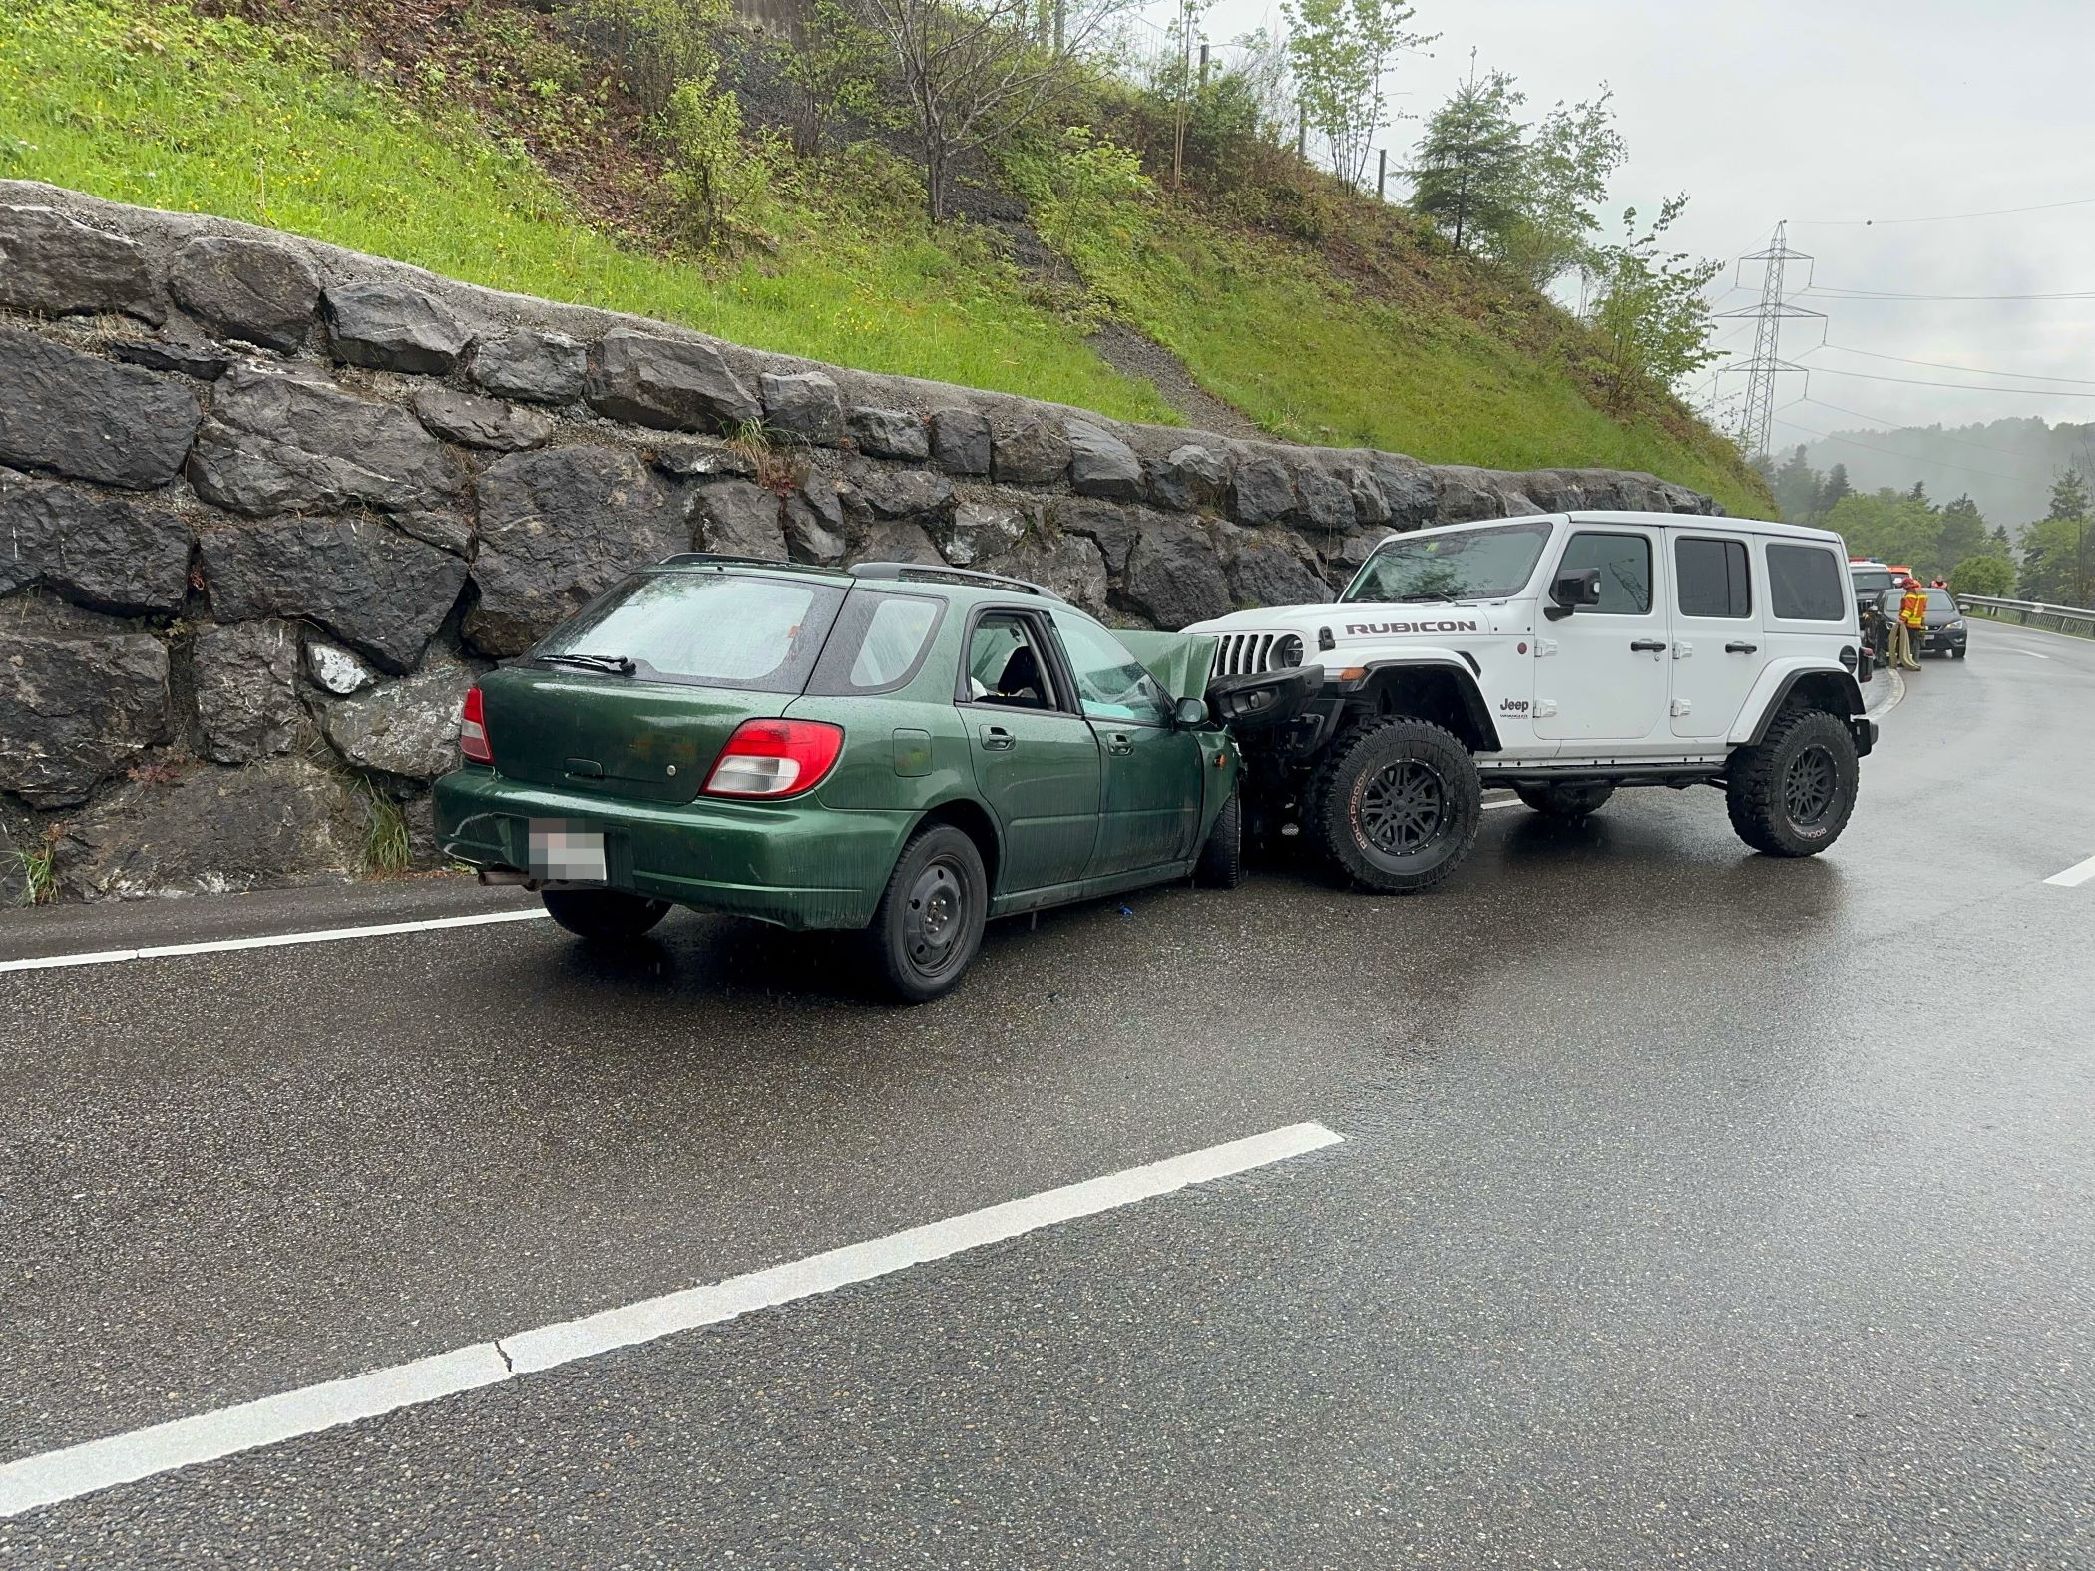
(1758, 416)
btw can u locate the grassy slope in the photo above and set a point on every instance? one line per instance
(156, 105)
(145, 101)
(1267, 325)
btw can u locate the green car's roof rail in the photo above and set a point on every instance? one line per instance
(916, 572)
(710, 559)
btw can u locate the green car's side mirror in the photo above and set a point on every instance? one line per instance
(1190, 712)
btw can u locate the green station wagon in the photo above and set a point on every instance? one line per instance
(906, 750)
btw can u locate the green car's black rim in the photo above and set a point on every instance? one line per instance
(1810, 786)
(936, 918)
(1404, 807)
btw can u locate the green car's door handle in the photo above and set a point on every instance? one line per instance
(1119, 742)
(995, 739)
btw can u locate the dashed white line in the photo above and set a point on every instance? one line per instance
(1511, 801)
(2011, 649)
(117, 1459)
(326, 935)
(2076, 875)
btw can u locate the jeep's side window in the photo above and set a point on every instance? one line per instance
(1625, 571)
(1804, 583)
(1710, 577)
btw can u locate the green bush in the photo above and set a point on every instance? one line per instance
(1984, 575)
(721, 179)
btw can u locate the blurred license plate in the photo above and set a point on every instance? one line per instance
(566, 852)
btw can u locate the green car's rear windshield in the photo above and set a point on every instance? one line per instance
(1476, 564)
(739, 630)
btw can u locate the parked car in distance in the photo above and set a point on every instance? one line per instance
(1945, 630)
(908, 751)
(1871, 579)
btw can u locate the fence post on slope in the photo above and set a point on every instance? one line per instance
(1302, 133)
(1382, 177)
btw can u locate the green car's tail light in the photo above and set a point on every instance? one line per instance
(772, 758)
(472, 730)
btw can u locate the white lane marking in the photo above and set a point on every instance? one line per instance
(2076, 875)
(2011, 649)
(326, 935)
(1511, 801)
(117, 1459)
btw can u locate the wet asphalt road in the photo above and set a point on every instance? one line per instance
(1695, 1209)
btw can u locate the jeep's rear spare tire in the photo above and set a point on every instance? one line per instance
(1792, 794)
(1397, 804)
(1567, 801)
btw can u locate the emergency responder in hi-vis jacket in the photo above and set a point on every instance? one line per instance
(1907, 630)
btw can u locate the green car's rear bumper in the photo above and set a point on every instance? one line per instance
(797, 864)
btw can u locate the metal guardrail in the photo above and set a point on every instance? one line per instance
(2033, 613)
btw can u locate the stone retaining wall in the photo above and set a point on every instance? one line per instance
(266, 506)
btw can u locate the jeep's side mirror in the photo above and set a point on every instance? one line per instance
(1190, 712)
(1580, 586)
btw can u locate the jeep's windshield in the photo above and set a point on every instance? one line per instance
(1475, 564)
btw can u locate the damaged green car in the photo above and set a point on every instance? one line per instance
(906, 750)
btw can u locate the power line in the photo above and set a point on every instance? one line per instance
(1835, 292)
(1962, 387)
(1943, 218)
(1944, 365)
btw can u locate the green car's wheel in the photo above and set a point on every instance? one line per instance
(929, 923)
(605, 914)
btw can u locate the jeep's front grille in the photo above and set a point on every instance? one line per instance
(1244, 654)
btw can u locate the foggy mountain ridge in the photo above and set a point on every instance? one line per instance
(2005, 466)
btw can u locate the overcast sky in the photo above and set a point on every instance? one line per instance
(1834, 110)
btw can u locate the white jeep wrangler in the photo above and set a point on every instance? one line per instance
(1563, 656)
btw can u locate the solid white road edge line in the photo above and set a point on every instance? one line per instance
(327, 935)
(117, 1459)
(2076, 875)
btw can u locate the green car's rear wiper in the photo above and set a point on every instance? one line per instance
(618, 663)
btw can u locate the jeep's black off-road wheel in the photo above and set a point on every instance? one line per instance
(606, 915)
(929, 921)
(1568, 802)
(1221, 864)
(1397, 805)
(1791, 795)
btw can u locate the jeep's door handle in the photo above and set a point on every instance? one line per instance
(1740, 649)
(1119, 742)
(1647, 646)
(995, 739)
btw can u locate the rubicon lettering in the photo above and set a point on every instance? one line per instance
(1363, 629)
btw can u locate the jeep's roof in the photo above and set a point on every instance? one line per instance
(950, 580)
(1753, 526)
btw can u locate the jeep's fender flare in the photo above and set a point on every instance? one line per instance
(1464, 671)
(1773, 690)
